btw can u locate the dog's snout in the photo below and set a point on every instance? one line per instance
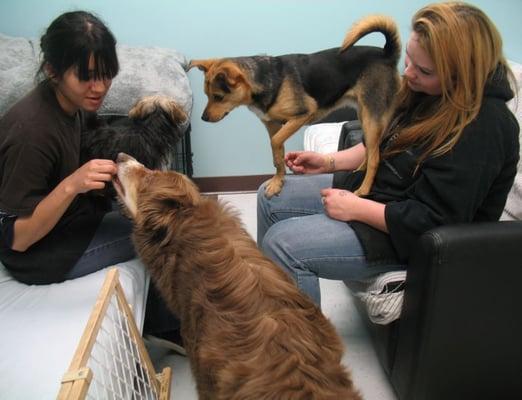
(122, 157)
(204, 116)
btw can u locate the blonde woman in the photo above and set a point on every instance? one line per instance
(448, 156)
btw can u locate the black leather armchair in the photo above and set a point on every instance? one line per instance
(460, 331)
(459, 336)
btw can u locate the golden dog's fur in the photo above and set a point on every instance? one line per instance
(248, 331)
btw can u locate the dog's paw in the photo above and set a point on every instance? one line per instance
(273, 187)
(147, 105)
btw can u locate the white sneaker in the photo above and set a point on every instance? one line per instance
(167, 341)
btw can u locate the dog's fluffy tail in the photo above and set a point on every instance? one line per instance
(376, 23)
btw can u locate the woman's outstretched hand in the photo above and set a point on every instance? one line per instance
(92, 175)
(306, 162)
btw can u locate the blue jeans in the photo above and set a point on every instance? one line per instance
(110, 245)
(294, 231)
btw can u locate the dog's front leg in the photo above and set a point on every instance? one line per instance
(272, 128)
(277, 140)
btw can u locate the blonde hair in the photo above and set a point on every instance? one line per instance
(466, 49)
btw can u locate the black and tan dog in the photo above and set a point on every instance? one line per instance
(293, 90)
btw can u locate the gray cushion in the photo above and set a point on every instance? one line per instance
(143, 71)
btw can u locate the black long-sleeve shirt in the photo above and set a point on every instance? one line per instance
(469, 183)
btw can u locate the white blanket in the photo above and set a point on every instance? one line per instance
(41, 327)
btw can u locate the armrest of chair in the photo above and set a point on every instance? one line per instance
(460, 329)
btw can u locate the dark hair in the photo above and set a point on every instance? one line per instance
(72, 38)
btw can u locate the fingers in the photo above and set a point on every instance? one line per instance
(101, 171)
(97, 176)
(292, 161)
(102, 166)
(94, 173)
(297, 169)
(326, 192)
(96, 185)
(291, 155)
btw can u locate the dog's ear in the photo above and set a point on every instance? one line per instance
(174, 191)
(146, 106)
(191, 196)
(163, 201)
(232, 74)
(176, 113)
(202, 65)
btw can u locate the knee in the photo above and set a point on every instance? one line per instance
(261, 197)
(268, 242)
(273, 244)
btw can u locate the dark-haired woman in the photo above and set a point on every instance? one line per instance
(51, 226)
(53, 229)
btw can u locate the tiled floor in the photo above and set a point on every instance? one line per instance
(336, 304)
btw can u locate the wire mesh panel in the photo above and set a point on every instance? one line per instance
(111, 361)
(183, 158)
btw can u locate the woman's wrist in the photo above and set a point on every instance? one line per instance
(68, 188)
(329, 163)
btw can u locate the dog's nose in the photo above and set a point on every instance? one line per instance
(122, 157)
(204, 116)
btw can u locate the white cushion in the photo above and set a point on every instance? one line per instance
(513, 208)
(41, 326)
(323, 138)
(515, 105)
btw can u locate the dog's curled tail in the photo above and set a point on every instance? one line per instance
(376, 23)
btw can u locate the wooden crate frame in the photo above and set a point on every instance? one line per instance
(76, 381)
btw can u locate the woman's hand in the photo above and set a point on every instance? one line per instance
(91, 175)
(340, 204)
(306, 162)
(343, 205)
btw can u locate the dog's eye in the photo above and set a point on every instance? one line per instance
(217, 97)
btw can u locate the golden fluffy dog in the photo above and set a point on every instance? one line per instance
(248, 331)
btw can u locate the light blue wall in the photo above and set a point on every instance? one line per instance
(238, 145)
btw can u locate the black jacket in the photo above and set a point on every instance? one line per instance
(469, 183)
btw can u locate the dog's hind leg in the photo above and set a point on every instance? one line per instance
(277, 140)
(372, 136)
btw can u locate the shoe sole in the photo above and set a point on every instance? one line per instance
(166, 344)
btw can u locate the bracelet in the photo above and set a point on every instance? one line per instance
(330, 163)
